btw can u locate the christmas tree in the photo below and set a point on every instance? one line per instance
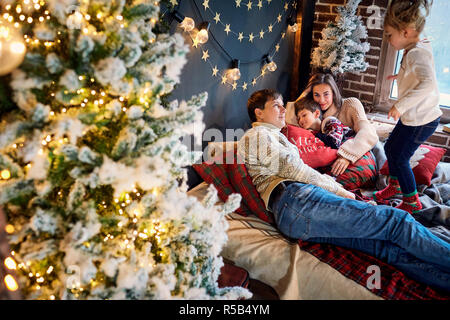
(341, 49)
(92, 163)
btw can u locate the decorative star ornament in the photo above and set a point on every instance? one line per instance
(270, 27)
(227, 28)
(173, 2)
(215, 71)
(277, 47)
(206, 4)
(269, 1)
(286, 6)
(241, 36)
(250, 37)
(195, 44)
(244, 86)
(260, 4)
(238, 3)
(254, 81)
(234, 85)
(205, 55)
(217, 17)
(283, 35)
(279, 18)
(261, 34)
(249, 5)
(224, 79)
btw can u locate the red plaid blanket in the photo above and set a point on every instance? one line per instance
(353, 264)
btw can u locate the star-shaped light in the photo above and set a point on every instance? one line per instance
(238, 3)
(227, 28)
(206, 4)
(270, 27)
(234, 85)
(205, 55)
(250, 37)
(195, 44)
(279, 18)
(260, 4)
(269, 1)
(263, 72)
(224, 79)
(217, 17)
(286, 6)
(173, 2)
(254, 81)
(277, 47)
(261, 34)
(215, 71)
(283, 35)
(241, 36)
(244, 86)
(249, 5)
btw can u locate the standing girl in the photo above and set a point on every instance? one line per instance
(418, 98)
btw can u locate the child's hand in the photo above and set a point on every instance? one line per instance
(392, 77)
(394, 113)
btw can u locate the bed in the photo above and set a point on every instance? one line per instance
(304, 271)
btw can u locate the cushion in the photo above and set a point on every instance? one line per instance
(312, 150)
(360, 174)
(232, 177)
(423, 163)
(311, 271)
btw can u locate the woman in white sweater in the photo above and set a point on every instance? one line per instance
(323, 89)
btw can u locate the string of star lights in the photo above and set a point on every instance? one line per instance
(229, 77)
(252, 35)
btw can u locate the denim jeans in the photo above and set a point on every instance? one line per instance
(311, 213)
(401, 145)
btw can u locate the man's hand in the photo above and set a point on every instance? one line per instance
(339, 166)
(394, 113)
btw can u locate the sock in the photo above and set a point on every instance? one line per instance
(410, 203)
(391, 190)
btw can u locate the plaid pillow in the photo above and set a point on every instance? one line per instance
(231, 178)
(360, 174)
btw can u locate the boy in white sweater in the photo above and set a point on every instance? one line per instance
(418, 101)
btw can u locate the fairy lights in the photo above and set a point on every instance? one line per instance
(231, 76)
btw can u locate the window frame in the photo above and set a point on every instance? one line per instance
(386, 67)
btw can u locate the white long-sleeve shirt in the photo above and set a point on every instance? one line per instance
(270, 159)
(418, 93)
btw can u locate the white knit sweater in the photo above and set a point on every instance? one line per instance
(270, 159)
(418, 93)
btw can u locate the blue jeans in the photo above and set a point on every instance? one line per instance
(311, 213)
(401, 145)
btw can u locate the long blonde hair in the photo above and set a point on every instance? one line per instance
(402, 14)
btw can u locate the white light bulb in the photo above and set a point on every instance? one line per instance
(233, 74)
(188, 24)
(202, 36)
(271, 66)
(293, 28)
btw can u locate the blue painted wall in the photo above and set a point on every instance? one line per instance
(226, 109)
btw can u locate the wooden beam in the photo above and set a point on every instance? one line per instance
(302, 47)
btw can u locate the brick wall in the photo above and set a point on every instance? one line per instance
(361, 85)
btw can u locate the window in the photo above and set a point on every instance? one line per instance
(436, 30)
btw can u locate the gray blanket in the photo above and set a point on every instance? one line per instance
(435, 198)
